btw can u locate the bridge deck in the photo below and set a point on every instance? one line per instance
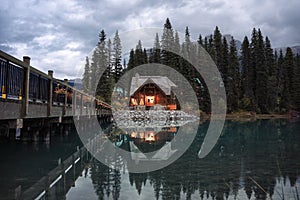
(27, 93)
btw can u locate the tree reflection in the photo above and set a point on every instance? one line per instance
(105, 180)
(249, 157)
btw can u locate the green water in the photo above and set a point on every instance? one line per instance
(23, 164)
(252, 160)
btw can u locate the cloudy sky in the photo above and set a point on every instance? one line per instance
(59, 34)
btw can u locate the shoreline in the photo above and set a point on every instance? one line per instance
(247, 116)
(257, 116)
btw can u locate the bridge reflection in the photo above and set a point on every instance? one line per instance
(236, 168)
(59, 180)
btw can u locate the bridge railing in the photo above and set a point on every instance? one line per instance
(11, 79)
(38, 87)
(36, 94)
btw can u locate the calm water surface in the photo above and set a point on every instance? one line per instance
(23, 164)
(252, 160)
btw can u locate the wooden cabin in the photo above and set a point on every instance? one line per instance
(149, 91)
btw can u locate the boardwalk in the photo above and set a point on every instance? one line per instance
(29, 96)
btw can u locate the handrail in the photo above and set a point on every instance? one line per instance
(18, 63)
(21, 64)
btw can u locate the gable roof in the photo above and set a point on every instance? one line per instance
(163, 82)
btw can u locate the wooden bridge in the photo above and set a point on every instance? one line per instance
(27, 94)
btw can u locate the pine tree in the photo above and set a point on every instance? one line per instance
(235, 74)
(187, 43)
(110, 58)
(168, 25)
(206, 44)
(103, 62)
(177, 43)
(223, 66)
(200, 40)
(211, 48)
(282, 84)
(86, 76)
(277, 78)
(246, 77)
(177, 58)
(226, 75)
(218, 47)
(280, 62)
(187, 68)
(287, 81)
(296, 84)
(145, 56)
(151, 55)
(94, 69)
(261, 75)
(139, 55)
(117, 57)
(289, 66)
(130, 65)
(103, 84)
(131, 61)
(201, 88)
(272, 76)
(156, 50)
(167, 44)
(99, 62)
(252, 68)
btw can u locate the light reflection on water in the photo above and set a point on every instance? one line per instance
(255, 160)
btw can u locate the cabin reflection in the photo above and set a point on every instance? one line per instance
(253, 165)
(150, 139)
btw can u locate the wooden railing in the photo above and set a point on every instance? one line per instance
(22, 84)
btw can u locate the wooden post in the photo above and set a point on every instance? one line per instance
(74, 103)
(5, 86)
(81, 106)
(91, 107)
(50, 94)
(25, 102)
(66, 98)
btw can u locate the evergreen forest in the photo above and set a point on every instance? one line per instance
(256, 77)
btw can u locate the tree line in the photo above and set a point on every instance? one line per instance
(105, 68)
(256, 77)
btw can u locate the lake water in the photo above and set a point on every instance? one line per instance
(23, 164)
(252, 160)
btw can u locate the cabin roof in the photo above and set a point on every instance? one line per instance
(163, 82)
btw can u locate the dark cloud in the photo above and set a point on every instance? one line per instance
(277, 19)
(59, 34)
